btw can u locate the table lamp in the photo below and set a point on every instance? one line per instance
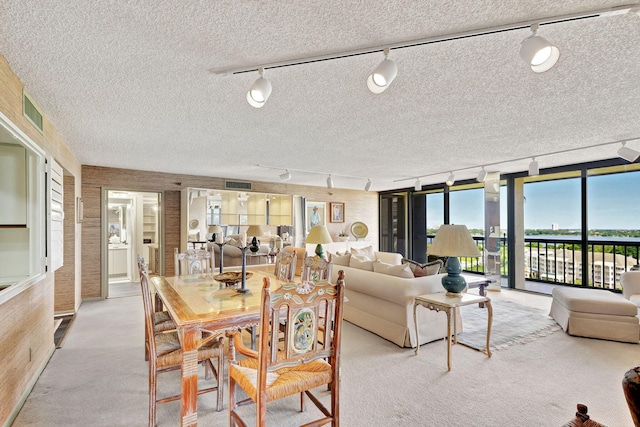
(453, 241)
(319, 235)
(255, 231)
(215, 230)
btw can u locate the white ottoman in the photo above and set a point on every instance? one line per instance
(595, 313)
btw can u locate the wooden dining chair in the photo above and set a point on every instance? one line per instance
(285, 268)
(161, 320)
(194, 261)
(316, 269)
(297, 364)
(165, 354)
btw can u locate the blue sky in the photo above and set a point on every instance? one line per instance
(614, 203)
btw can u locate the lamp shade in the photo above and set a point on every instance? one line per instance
(454, 240)
(214, 229)
(319, 235)
(255, 231)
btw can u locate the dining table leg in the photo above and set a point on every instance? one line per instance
(189, 337)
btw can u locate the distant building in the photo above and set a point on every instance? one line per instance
(565, 266)
(555, 226)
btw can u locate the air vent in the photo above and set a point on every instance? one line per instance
(237, 185)
(30, 111)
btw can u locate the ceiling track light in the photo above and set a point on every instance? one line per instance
(534, 169)
(285, 176)
(629, 154)
(329, 182)
(451, 179)
(368, 185)
(259, 91)
(482, 176)
(380, 79)
(417, 186)
(538, 52)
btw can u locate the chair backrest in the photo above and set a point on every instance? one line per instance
(148, 308)
(301, 254)
(303, 308)
(316, 269)
(194, 261)
(285, 268)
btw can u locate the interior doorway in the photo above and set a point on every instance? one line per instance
(132, 226)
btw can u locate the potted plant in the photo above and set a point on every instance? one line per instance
(343, 236)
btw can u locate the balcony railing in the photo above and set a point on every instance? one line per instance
(558, 260)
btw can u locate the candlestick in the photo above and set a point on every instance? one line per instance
(243, 288)
(221, 246)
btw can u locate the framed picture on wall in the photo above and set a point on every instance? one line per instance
(316, 212)
(337, 212)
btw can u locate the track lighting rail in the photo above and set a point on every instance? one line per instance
(611, 11)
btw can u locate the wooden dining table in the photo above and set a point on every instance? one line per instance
(197, 304)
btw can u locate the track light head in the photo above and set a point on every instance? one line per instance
(451, 179)
(629, 154)
(380, 79)
(417, 186)
(259, 91)
(482, 175)
(285, 176)
(533, 167)
(368, 185)
(538, 52)
(329, 182)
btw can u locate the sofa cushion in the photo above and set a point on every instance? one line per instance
(340, 259)
(367, 252)
(420, 270)
(401, 270)
(389, 257)
(594, 301)
(361, 262)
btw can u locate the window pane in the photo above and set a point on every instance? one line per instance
(435, 211)
(552, 207)
(467, 208)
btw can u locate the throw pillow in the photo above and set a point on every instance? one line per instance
(421, 270)
(367, 252)
(361, 262)
(340, 259)
(402, 270)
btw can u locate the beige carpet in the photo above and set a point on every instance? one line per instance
(99, 378)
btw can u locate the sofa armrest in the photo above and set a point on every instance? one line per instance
(630, 282)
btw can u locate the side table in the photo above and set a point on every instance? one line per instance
(448, 304)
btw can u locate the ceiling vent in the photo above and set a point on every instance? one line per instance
(30, 111)
(237, 185)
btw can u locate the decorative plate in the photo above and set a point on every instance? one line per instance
(193, 224)
(359, 230)
(231, 278)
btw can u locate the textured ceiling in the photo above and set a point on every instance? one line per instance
(130, 85)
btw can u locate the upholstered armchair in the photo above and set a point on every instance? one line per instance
(630, 282)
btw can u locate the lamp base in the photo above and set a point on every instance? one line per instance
(453, 282)
(319, 250)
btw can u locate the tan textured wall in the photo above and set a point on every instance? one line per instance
(26, 341)
(26, 317)
(359, 206)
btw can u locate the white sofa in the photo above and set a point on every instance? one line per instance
(232, 255)
(383, 304)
